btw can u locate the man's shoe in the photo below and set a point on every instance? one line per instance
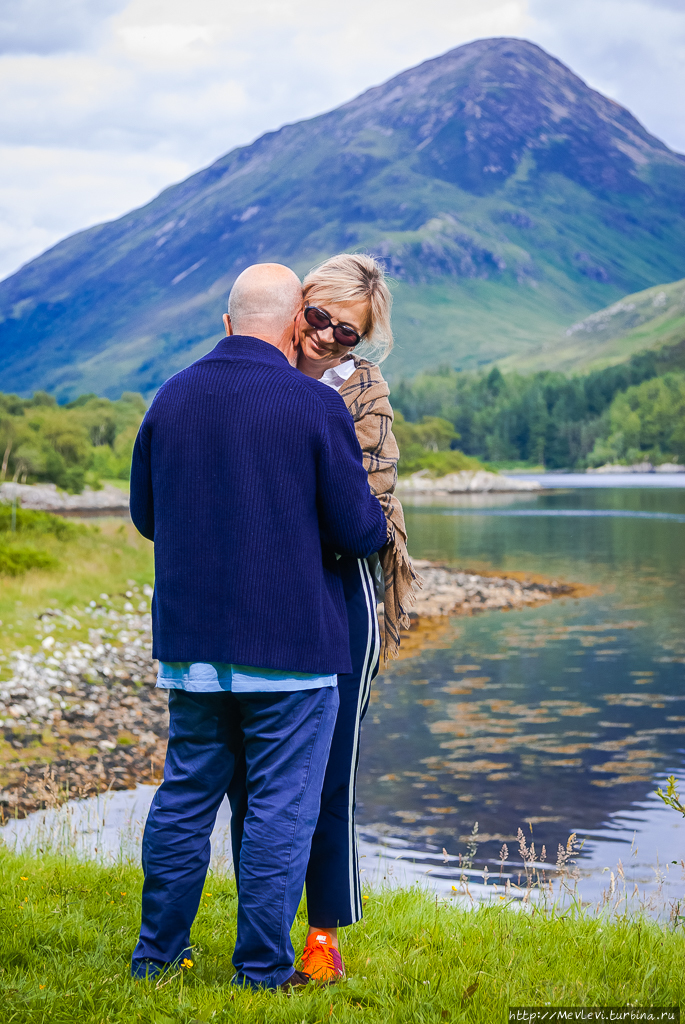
(298, 979)
(147, 969)
(321, 960)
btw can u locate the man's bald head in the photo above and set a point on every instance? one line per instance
(267, 296)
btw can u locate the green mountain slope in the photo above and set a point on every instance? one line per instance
(650, 319)
(507, 198)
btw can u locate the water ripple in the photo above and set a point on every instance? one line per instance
(581, 513)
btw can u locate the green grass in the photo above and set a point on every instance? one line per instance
(52, 561)
(515, 466)
(438, 463)
(68, 930)
(650, 319)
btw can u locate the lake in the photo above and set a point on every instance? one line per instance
(559, 718)
(555, 719)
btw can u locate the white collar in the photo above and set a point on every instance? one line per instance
(335, 376)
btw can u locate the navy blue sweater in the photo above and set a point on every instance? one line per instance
(248, 476)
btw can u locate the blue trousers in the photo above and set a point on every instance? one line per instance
(268, 753)
(333, 885)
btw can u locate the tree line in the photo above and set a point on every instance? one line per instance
(445, 421)
(628, 413)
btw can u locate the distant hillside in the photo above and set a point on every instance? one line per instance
(651, 319)
(508, 199)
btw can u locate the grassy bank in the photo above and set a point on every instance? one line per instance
(62, 563)
(68, 929)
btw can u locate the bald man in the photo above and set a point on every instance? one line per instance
(248, 477)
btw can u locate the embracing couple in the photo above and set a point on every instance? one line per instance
(264, 473)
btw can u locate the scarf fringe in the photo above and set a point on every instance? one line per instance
(399, 600)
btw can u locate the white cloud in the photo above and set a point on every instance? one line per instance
(133, 94)
(47, 193)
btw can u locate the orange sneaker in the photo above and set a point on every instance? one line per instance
(322, 961)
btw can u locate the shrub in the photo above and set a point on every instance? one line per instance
(26, 521)
(16, 559)
(429, 445)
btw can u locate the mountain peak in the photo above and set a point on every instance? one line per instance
(492, 173)
(477, 110)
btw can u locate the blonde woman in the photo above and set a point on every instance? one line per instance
(345, 333)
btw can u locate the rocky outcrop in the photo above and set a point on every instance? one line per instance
(453, 592)
(639, 467)
(466, 482)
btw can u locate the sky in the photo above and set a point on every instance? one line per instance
(106, 102)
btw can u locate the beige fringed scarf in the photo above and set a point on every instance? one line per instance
(365, 394)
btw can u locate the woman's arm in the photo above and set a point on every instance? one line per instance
(366, 396)
(380, 452)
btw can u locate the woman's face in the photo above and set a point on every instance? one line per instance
(318, 349)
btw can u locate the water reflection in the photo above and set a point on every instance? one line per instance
(556, 718)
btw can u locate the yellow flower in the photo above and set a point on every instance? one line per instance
(208, 894)
(186, 963)
(122, 893)
(24, 878)
(41, 986)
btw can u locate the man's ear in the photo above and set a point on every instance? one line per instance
(296, 329)
(228, 326)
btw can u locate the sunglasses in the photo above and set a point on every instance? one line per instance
(320, 319)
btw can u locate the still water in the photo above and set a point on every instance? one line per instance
(559, 718)
(556, 719)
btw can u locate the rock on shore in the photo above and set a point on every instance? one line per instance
(47, 498)
(92, 704)
(467, 482)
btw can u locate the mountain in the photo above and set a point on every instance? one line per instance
(507, 197)
(653, 319)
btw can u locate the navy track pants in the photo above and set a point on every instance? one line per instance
(333, 885)
(267, 752)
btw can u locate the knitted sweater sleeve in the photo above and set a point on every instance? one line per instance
(140, 502)
(351, 518)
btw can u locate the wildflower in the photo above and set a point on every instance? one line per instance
(502, 897)
(24, 878)
(186, 963)
(208, 894)
(122, 893)
(41, 986)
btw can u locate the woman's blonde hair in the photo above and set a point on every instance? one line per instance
(350, 277)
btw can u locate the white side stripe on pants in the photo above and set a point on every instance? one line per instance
(373, 645)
